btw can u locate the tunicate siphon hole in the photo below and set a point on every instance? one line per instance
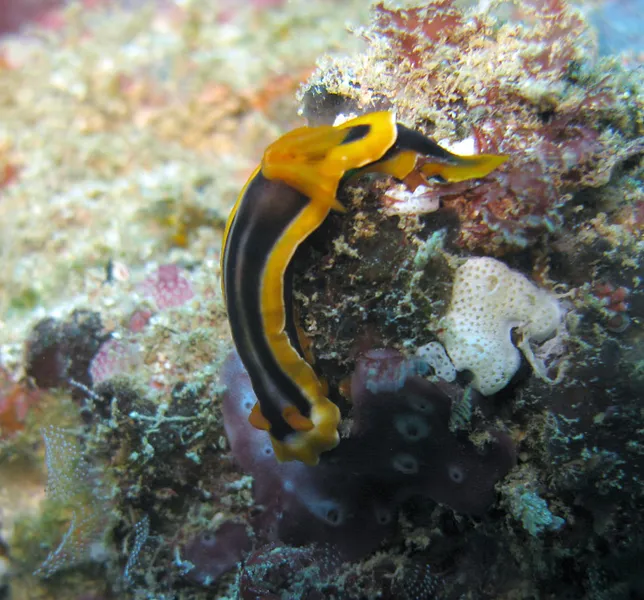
(383, 516)
(420, 403)
(456, 473)
(411, 427)
(333, 513)
(208, 538)
(330, 511)
(333, 516)
(405, 463)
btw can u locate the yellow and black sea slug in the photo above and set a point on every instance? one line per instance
(287, 198)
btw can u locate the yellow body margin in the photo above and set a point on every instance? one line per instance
(313, 161)
(466, 167)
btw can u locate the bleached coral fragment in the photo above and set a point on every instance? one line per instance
(489, 300)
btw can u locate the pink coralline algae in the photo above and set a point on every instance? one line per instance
(168, 286)
(398, 446)
(438, 22)
(524, 84)
(613, 303)
(113, 358)
(513, 206)
(139, 320)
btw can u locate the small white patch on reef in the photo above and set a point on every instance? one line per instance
(465, 147)
(399, 200)
(435, 356)
(489, 300)
(342, 118)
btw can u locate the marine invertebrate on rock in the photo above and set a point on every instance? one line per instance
(141, 533)
(399, 445)
(434, 355)
(139, 320)
(406, 434)
(158, 432)
(274, 570)
(489, 301)
(314, 572)
(386, 370)
(304, 169)
(417, 582)
(114, 357)
(327, 499)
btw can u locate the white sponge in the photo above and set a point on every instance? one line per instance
(488, 301)
(434, 355)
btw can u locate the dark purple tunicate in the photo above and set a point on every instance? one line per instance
(213, 553)
(399, 445)
(326, 503)
(404, 435)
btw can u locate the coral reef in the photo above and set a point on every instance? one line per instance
(525, 84)
(504, 467)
